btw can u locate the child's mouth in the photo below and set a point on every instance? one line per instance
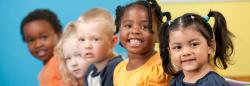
(76, 70)
(41, 53)
(88, 55)
(187, 61)
(134, 42)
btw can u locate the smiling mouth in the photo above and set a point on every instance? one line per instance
(41, 53)
(187, 60)
(134, 42)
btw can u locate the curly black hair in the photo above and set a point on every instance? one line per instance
(42, 14)
(152, 7)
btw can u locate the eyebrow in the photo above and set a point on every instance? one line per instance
(129, 19)
(178, 43)
(194, 39)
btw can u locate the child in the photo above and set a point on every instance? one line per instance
(138, 23)
(188, 44)
(73, 66)
(41, 30)
(95, 30)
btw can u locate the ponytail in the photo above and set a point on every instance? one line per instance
(118, 13)
(164, 40)
(224, 44)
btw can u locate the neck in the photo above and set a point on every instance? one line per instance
(100, 65)
(193, 76)
(81, 82)
(137, 60)
(46, 61)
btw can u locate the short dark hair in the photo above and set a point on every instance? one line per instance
(42, 14)
(152, 7)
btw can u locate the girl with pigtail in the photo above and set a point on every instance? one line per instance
(190, 47)
(139, 23)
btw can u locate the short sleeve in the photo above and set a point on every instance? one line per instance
(155, 77)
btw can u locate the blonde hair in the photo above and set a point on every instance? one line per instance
(67, 77)
(99, 14)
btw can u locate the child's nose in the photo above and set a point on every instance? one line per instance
(38, 43)
(136, 30)
(87, 45)
(74, 64)
(186, 52)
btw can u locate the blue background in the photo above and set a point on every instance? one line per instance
(17, 66)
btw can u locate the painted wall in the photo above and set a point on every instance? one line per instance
(17, 66)
(237, 16)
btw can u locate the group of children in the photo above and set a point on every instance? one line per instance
(83, 54)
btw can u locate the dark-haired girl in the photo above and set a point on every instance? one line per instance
(192, 46)
(138, 23)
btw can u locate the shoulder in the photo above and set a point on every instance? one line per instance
(154, 73)
(177, 80)
(213, 79)
(110, 67)
(155, 76)
(52, 67)
(51, 75)
(116, 60)
(120, 66)
(90, 68)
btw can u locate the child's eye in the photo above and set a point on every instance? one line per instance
(95, 39)
(194, 45)
(177, 48)
(81, 39)
(43, 37)
(78, 55)
(67, 59)
(127, 26)
(144, 27)
(29, 40)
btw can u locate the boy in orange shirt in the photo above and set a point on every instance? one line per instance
(41, 30)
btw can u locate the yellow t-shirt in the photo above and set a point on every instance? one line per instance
(149, 74)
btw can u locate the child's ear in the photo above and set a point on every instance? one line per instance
(212, 47)
(114, 40)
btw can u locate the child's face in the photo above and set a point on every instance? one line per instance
(41, 39)
(134, 31)
(76, 65)
(188, 49)
(95, 40)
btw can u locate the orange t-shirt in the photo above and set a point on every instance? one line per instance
(50, 74)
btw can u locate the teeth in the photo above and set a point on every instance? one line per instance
(41, 53)
(135, 42)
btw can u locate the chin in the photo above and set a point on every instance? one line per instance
(189, 69)
(79, 76)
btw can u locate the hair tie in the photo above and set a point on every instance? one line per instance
(152, 3)
(169, 22)
(206, 18)
(192, 17)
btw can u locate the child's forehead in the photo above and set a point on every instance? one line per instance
(70, 42)
(189, 31)
(139, 9)
(136, 7)
(141, 6)
(94, 26)
(38, 26)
